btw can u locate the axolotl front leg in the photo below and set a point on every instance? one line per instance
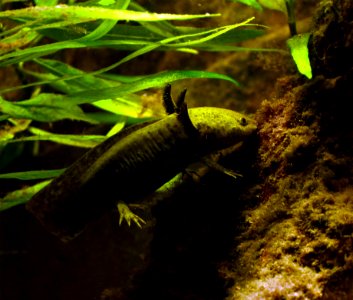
(126, 214)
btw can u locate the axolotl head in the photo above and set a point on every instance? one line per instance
(220, 128)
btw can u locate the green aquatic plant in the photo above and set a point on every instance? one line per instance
(298, 46)
(31, 39)
(298, 43)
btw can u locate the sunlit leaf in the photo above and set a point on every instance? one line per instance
(106, 25)
(275, 4)
(21, 196)
(85, 141)
(298, 45)
(116, 128)
(156, 80)
(128, 105)
(92, 13)
(44, 108)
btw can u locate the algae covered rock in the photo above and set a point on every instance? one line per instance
(298, 242)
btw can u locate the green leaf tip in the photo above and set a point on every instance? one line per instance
(298, 46)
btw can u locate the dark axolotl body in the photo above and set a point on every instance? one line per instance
(134, 163)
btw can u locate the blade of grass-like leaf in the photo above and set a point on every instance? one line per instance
(156, 80)
(131, 56)
(21, 196)
(44, 108)
(30, 53)
(17, 40)
(109, 118)
(121, 92)
(120, 78)
(84, 141)
(60, 70)
(100, 31)
(24, 55)
(154, 46)
(224, 48)
(92, 13)
(33, 175)
(54, 81)
(61, 30)
(121, 31)
(18, 28)
(106, 25)
(211, 34)
(127, 106)
(235, 35)
(145, 46)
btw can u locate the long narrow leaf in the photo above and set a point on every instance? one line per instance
(106, 25)
(129, 105)
(44, 108)
(156, 80)
(33, 175)
(70, 140)
(93, 13)
(21, 196)
(86, 141)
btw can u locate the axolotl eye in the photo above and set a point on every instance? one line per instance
(243, 121)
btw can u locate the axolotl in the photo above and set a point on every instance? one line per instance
(135, 162)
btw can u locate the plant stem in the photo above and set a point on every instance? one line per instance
(291, 17)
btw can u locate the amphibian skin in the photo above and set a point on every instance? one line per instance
(134, 163)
